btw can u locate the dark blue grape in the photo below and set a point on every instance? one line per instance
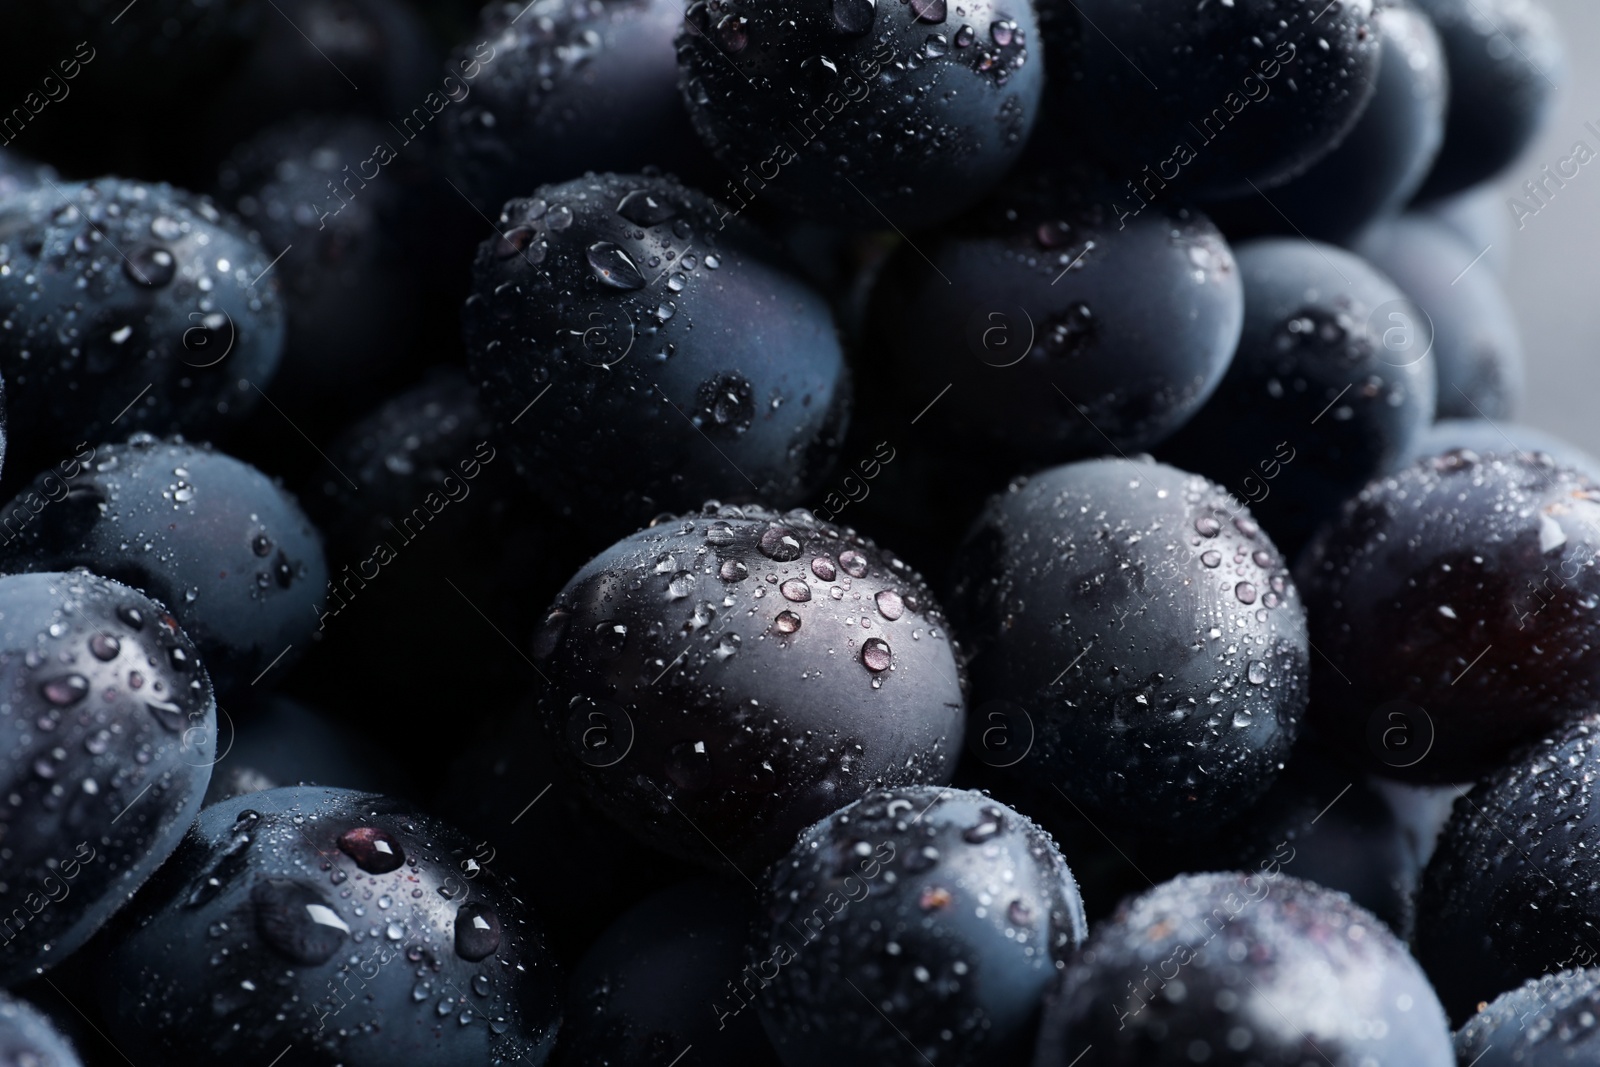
(862, 114)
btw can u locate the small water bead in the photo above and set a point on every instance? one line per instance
(988, 827)
(787, 622)
(515, 242)
(1245, 592)
(890, 604)
(610, 638)
(876, 654)
(853, 562)
(477, 931)
(294, 919)
(375, 851)
(732, 32)
(700, 618)
(796, 590)
(613, 267)
(1262, 558)
(780, 543)
(823, 568)
(68, 689)
(727, 647)
(642, 209)
(150, 266)
(720, 533)
(558, 218)
(733, 570)
(1257, 672)
(1206, 526)
(1211, 558)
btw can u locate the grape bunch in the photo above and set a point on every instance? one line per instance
(852, 533)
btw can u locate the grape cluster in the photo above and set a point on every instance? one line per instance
(852, 533)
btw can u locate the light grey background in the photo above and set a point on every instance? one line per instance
(1554, 260)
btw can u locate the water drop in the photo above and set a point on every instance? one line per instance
(733, 34)
(989, 826)
(613, 267)
(375, 851)
(477, 931)
(68, 689)
(795, 589)
(780, 543)
(1070, 333)
(610, 639)
(642, 209)
(876, 654)
(787, 622)
(150, 266)
(516, 242)
(294, 918)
